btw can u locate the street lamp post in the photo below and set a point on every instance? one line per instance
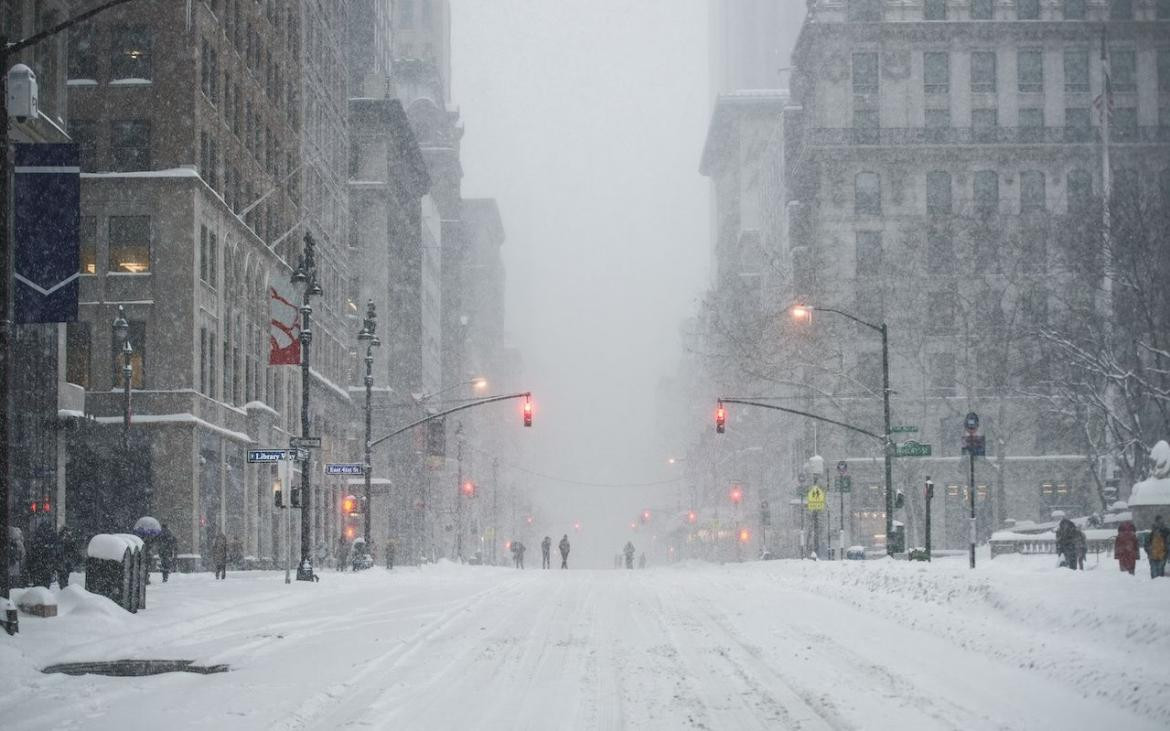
(367, 336)
(306, 275)
(804, 312)
(121, 329)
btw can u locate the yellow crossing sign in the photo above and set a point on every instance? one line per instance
(816, 499)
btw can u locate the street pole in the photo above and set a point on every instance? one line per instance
(7, 52)
(889, 446)
(459, 495)
(971, 496)
(841, 519)
(495, 505)
(929, 497)
(306, 274)
(369, 326)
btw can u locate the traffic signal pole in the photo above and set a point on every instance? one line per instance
(473, 404)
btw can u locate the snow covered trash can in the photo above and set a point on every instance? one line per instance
(114, 568)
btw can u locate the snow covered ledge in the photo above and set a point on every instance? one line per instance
(1151, 496)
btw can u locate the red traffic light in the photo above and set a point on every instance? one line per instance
(692, 517)
(720, 418)
(527, 412)
(349, 505)
(736, 494)
(40, 506)
(645, 516)
(468, 489)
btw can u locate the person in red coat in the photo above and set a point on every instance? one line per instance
(1125, 546)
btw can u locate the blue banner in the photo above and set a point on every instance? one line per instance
(46, 218)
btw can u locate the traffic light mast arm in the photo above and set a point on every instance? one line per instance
(747, 402)
(464, 407)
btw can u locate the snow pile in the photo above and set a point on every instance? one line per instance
(1155, 490)
(35, 596)
(75, 601)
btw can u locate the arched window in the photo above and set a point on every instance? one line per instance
(867, 194)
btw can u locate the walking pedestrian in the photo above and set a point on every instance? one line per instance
(1125, 547)
(219, 555)
(545, 547)
(342, 553)
(1157, 545)
(1066, 542)
(629, 552)
(520, 549)
(564, 546)
(642, 560)
(167, 549)
(391, 549)
(66, 555)
(42, 555)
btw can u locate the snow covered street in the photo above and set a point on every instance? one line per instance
(784, 644)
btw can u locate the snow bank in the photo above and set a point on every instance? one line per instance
(35, 595)
(75, 601)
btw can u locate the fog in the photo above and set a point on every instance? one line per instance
(585, 119)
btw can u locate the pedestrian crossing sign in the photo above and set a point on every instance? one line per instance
(816, 499)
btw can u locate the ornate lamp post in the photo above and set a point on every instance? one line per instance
(306, 275)
(367, 336)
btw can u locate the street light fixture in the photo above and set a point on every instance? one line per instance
(305, 275)
(367, 335)
(803, 314)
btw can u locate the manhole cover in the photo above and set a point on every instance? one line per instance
(132, 668)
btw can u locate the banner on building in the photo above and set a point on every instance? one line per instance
(284, 333)
(46, 217)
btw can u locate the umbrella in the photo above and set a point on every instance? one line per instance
(147, 526)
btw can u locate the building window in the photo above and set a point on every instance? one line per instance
(986, 185)
(137, 337)
(938, 192)
(1123, 70)
(1121, 9)
(1074, 9)
(864, 11)
(1031, 125)
(87, 235)
(936, 72)
(1080, 191)
(869, 252)
(130, 145)
(1123, 125)
(1030, 71)
(1032, 192)
(935, 10)
(982, 9)
(866, 130)
(983, 71)
(78, 353)
(942, 374)
(867, 194)
(130, 53)
(1076, 71)
(865, 73)
(129, 244)
(1077, 127)
(82, 52)
(940, 252)
(1028, 9)
(84, 133)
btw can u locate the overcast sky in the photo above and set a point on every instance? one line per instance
(585, 119)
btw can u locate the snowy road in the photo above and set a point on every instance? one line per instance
(771, 646)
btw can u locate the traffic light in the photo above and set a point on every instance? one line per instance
(645, 516)
(744, 535)
(40, 506)
(527, 412)
(468, 489)
(736, 494)
(349, 505)
(692, 517)
(720, 418)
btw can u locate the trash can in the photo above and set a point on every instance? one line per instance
(113, 568)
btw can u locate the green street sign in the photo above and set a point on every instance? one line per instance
(903, 430)
(843, 483)
(912, 448)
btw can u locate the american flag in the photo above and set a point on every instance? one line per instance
(1103, 102)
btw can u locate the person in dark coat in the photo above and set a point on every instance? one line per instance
(564, 549)
(342, 553)
(1157, 547)
(219, 555)
(67, 555)
(168, 548)
(1066, 542)
(545, 549)
(391, 550)
(520, 549)
(1125, 547)
(43, 555)
(629, 552)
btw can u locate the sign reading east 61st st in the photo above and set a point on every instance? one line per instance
(345, 468)
(816, 499)
(912, 448)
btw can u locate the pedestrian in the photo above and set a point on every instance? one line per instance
(642, 560)
(545, 547)
(219, 555)
(42, 555)
(342, 553)
(564, 546)
(1066, 542)
(167, 549)
(321, 553)
(391, 549)
(1157, 544)
(520, 554)
(629, 552)
(1082, 547)
(66, 555)
(1125, 547)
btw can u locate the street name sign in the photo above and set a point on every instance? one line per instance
(305, 442)
(266, 455)
(844, 483)
(345, 468)
(904, 429)
(816, 499)
(912, 448)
